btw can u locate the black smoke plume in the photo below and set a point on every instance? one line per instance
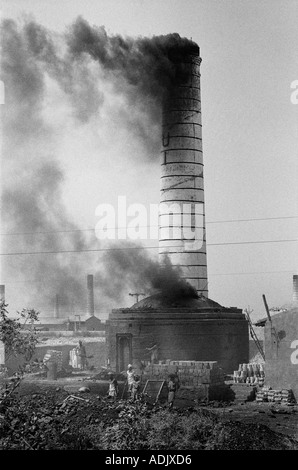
(128, 265)
(140, 70)
(151, 66)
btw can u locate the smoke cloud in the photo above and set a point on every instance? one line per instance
(128, 265)
(85, 66)
(149, 66)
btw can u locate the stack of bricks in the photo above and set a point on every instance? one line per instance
(251, 373)
(287, 397)
(262, 395)
(190, 373)
(274, 396)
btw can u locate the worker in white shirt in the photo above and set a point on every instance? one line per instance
(130, 378)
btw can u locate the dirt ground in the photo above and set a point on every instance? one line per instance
(279, 418)
(282, 419)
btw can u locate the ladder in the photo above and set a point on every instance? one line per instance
(253, 334)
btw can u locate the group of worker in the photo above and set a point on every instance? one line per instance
(133, 380)
(134, 386)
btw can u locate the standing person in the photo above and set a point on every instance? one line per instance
(113, 387)
(172, 389)
(130, 378)
(153, 354)
(82, 355)
(135, 390)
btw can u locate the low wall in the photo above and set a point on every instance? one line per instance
(190, 373)
(198, 380)
(97, 349)
(70, 334)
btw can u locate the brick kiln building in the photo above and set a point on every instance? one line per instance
(190, 327)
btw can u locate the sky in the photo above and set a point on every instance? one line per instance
(250, 133)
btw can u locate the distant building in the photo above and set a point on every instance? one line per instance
(93, 323)
(74, 323)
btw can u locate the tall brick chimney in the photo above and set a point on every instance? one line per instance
(56, 309)
(90, 295)
(182, 211)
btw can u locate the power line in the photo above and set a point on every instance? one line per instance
(49, 231)
(251, 220)
(252, 242)
(91, 250)
(255, 272)
(209, 274)
(143, 226)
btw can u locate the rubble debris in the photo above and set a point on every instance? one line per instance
(43, 423)
(75, 397)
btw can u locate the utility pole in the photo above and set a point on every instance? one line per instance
(272, 329)
(266, 308)
(137, 295)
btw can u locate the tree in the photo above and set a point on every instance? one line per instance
(18, 335)
(19, 338)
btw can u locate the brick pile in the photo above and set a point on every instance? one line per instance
(267, 394)
(252, 373)
(190, 373)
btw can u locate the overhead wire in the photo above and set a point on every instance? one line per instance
(143, 226)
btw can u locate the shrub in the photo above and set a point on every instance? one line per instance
(129, 432)
(160, 429)
(171, 430)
